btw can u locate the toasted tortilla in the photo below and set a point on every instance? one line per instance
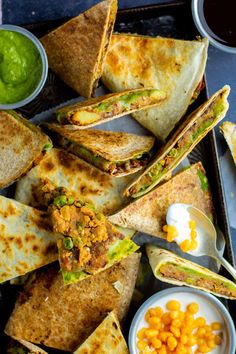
(148, 213)
(26, 240)
(174, 66)
(76, 50)
(173, 269)
(21, 143)
(24, 347)
(67, 315)
(102, 109)
(193, 129)
(107, 338)
(87, 182)
(228, 129)
(115, 153)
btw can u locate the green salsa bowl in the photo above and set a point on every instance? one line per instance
(23, 67)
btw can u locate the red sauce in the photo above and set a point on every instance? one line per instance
(220, 20)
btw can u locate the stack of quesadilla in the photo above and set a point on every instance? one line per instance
(188, 135)
(26, 239)
(228, 129)
(115, 153)
(173, 269)
(91, 243)
(21, 144)
(108, 107)
(107, 338)
(84, 180)
(148, 213)
(67, 315)
(76, 50)
(174, 66)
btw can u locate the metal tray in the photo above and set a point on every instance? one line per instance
(169, 20)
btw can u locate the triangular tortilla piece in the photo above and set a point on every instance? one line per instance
(21, 143)
(26, 239)
(193, 129)
(22, 347)
(87, 182)
(173, 269)
(148, 213)
(76, 50)
(116, 153)
(105, 108)
(174, 66)
(67, 315)
(228, 129)
(107, 338)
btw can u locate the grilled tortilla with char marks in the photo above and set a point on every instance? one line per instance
(115, 153)
(108, 107)
(192, 130)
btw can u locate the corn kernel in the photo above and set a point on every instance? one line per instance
(216, 326)
(173, 305)
(171, 343)
(201, 332)
(141, 344)
(185, 245)
(174, 315)
(159, 311)
(177, 322)
(164, 336)
(154, 321)
(199, 322)
(192, 224)
(204, 349)
(141, 333)
(193, 308)
(175, 331)
(183, 339)
(218, 340)
(151, 332)
(166, 318)
(165, 228)
(156, 343)
(211, 343)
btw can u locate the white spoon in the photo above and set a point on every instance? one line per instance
(206, 233)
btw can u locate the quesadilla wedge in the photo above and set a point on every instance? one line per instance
(102, 109)
(107, 338)
(187, 136)
(228, 129)
(85, 181)
(26, 239)
(115, 153)
(174, 66)
(76, 50)
(21, 144)
(57, 322)
(23, 347)
(173, 269)
(148, 213)
(91, 243)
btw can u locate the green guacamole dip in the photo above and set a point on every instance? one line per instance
(20, 67)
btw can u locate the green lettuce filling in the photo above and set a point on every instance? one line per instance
(203, 181)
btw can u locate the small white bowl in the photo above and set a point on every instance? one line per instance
(209, 307)
(203, 28)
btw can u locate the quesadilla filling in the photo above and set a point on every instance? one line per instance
(110, 107)
(184, 144)
(90, 241)
(111, 167)
(197, 279)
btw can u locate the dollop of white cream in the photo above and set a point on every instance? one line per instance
(179, 217)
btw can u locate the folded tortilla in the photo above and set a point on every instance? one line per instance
(102, 109)
(174, 66)
(90, 243)
(23, 347)
(228, 129)
(21, 143)
(66, 170)
(191, 131)
(26, 239)
(76, 50)
(115, 153)
(67, 315)
(107, 338)
(173, 269)
(148, 213)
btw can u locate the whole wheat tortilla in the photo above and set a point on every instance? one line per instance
(174, 66)
(20, 144)
(62, 317)
(76, 50)
(87, 182)
(148, 213)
